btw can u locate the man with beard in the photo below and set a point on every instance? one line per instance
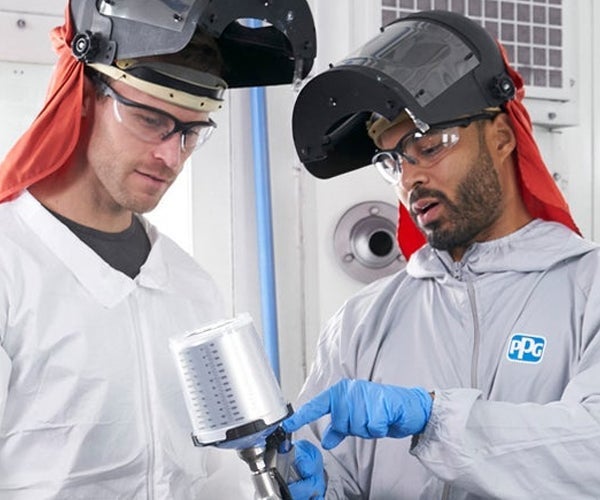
(485, 348)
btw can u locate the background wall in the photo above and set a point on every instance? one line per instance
(210, 210)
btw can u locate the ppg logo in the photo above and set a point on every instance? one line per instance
(526, 348)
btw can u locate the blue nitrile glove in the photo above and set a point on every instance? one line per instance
(365, 409)
(309, 464)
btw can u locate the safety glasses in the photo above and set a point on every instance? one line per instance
(423, 149)
(153, 125)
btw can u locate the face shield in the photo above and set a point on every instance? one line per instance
(126, 35)
(433, 66)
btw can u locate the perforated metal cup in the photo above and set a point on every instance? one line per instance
(232, 395)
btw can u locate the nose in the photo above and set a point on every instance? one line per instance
(169, 151)
(411, 176)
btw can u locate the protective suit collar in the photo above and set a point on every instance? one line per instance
(541, 246)
(107, 285)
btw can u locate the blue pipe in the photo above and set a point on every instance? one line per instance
(264, 225)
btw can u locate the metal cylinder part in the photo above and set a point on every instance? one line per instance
(365, 241)
(232, 395)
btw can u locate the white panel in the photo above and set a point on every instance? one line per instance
(55, 7)
(22, 91)
(26, 37)
(287, 196)
(556, 108)
(211, 204)
(365, 20)
(334, 34)
(595, 125)
(335, 197)
(568, 151)
(554, 113)
(243, 224)
(173, 215)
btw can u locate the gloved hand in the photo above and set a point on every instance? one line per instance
(365, 409)
(309, 464)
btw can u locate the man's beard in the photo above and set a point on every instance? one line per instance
(478, 206)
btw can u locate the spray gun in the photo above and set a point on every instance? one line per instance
(234, 401)
(272, 466)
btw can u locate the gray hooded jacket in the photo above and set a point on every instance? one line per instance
(507, 339)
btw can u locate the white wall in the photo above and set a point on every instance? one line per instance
(568, 151)
(594, 107)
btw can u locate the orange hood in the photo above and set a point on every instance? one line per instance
(51, 139)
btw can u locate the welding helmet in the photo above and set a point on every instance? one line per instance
(431, 66)
(132, 40)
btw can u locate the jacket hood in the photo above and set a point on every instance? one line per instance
(535, 247)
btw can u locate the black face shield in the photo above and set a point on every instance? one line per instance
(281, 51)
(435, 66)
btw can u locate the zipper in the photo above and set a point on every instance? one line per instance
(476, 335)
(456, 270)
(457, 273)
(146, 415)
(446, 492)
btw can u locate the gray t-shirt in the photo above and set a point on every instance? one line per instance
(126, 251)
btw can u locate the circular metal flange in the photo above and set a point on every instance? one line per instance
(365, 241)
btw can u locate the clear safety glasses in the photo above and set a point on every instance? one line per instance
(423, 149)
(153, 125)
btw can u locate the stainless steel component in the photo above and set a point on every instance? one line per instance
(267, 484)
(365, 241)
(231, 392)
(234, 400)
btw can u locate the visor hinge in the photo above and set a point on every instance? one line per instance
(502, 87)
(85, 46)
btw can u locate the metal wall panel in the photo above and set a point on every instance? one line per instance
(26, 37)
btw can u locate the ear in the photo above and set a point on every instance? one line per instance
(503, 141)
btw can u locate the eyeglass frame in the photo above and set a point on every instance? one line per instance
(398, 155)
(180, 126)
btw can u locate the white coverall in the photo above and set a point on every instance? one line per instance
(90, 403)
(509, 340)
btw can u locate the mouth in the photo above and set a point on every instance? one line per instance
(426, 210)
(153, 178)
(423, 206)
